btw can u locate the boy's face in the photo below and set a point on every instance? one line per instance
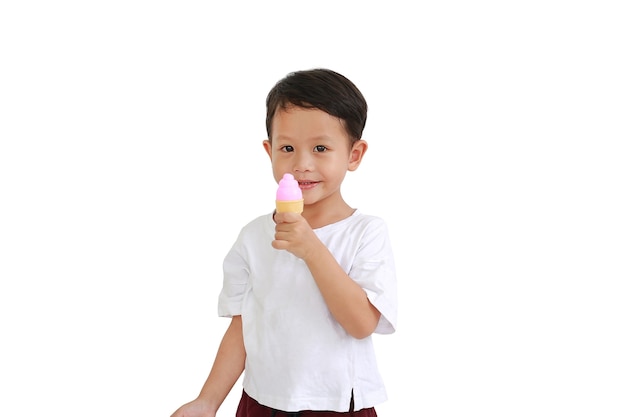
(314, 147)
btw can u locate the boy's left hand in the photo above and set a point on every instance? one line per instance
(294, 234)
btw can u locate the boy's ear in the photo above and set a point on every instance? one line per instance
(356, 154)
(268, 148)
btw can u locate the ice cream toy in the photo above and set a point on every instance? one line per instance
(289, 195)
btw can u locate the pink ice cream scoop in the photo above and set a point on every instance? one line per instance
(289, 195)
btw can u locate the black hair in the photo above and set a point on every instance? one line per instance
(321, 89)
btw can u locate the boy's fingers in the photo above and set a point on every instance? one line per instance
(286, 217)
(279, 244)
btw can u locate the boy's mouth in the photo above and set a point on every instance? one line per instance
(306, 185)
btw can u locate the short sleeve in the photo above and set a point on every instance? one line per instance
(236, 273)
(374, 270)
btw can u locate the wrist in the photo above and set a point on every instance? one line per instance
(207, 402)
(315, 253)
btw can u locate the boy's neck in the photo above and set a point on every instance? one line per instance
(321, 214)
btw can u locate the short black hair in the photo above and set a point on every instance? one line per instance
(321, 89)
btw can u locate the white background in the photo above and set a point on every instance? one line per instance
(131, 156)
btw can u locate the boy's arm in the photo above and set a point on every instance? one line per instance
(227, 368)
(346, 300)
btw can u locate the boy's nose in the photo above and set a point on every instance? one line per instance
(303, 162)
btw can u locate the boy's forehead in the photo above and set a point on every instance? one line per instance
(311, 121)
(293, 112)
(290, 108)
(312, 124)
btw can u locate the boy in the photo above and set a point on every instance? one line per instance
(305, 292)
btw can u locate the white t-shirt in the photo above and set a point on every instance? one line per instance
(298, 357)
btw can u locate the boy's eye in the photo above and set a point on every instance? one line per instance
(319, 148)
(287, 148)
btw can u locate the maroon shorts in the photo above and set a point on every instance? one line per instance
(249, 407)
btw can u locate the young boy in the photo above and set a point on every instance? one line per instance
(305, 292)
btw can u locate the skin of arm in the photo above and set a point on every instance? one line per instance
(346, 300)
(227, 368)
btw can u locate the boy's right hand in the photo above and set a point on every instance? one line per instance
(295, 235)
(195, 408)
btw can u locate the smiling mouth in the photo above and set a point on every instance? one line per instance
(305, 185)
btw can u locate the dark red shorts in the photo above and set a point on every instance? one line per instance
(249, 407)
